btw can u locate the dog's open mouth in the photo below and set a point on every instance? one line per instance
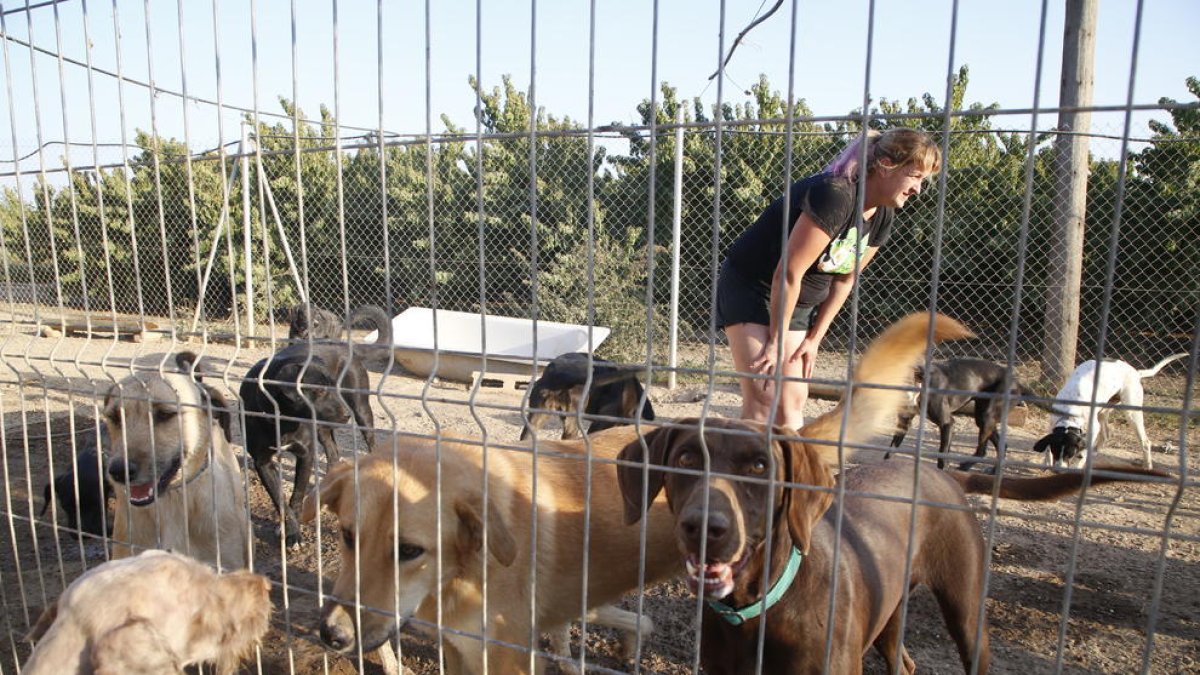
(144, 494)
(715, 578)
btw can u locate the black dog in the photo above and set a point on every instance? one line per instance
(979, 381)
(615, 392)
(323, 324)
(92, 507)
(299, 385)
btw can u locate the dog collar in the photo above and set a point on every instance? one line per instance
(739, 616)
(188, 481)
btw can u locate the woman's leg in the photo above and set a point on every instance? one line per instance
(746, 340)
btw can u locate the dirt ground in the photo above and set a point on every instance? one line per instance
(1123, 566)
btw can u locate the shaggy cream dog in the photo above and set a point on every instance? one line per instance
(154, 613)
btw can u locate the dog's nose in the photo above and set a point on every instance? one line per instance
(335, 636)
(696, 527)
(120, 470)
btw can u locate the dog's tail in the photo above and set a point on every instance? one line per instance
(376, 315)
(1042, 488)
(888, 361)
(1151, 372)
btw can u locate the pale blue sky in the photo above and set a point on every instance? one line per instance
(911, 56)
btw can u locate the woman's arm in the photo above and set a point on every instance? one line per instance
(806, 241)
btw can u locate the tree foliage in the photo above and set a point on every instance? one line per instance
(514, 222)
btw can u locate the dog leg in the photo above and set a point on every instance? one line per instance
(387, 659)
(560, 645)
(268, 475)
(629, 623)
(305, 456)
(945, 434)
(891, 647)
(987, 433)
(364, 418)
(329, 445)
(959, 601)
(1139, 426)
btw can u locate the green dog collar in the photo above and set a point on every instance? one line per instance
(739, 616)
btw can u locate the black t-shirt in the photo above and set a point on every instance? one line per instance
(830, 201)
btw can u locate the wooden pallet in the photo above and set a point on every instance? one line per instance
(493, 380)
(132, 330)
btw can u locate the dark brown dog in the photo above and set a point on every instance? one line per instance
(305, 391)
(324, 325)
(952, 384)
(89, 513)
(733, 519)
(615, 392)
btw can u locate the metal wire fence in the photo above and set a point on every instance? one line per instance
(533, 217)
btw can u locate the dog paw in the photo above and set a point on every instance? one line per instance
(291, 539)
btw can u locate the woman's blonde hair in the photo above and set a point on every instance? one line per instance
(900, 146)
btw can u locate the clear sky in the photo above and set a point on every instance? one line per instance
(329, 53)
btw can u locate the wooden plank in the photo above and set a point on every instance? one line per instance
(133, 330)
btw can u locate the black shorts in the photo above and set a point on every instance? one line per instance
(739, 301)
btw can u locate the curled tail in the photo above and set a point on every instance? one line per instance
(377, 316)
(888, 361)
(1151, 372)
(1042, 488)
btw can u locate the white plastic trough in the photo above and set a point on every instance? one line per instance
(460, 342)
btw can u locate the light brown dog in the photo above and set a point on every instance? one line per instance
(154, 613)
(450, 564)
(742, 503)
(175, 473)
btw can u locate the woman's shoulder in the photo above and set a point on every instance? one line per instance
(826, 187)
(828, 181)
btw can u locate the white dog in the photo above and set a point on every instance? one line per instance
(154, 613)
(1079, 409)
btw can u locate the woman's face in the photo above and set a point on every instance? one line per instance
(895, 184)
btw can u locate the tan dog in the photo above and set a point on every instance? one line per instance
(154, 613)
(363, 500)
(176, 477)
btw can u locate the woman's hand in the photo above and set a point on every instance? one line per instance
(806, 354)
(764, 363)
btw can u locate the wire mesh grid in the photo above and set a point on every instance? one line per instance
(193, 245)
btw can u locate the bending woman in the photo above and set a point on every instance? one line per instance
(757, 293)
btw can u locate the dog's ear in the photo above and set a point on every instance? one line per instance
(629, 478)
(222, 411)
(330, 490)
(186, 361)
(802, 506)
(285, 383)
(501, 544)
(247, 590)
(1042, 443)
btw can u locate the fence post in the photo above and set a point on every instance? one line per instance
(676, 225)
(1064, 273)
(247, 244)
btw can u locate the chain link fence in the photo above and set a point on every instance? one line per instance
(531, 216)
(559, 224)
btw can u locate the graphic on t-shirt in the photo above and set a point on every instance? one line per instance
(839, 257)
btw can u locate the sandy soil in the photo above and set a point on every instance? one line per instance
(1123, 566)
